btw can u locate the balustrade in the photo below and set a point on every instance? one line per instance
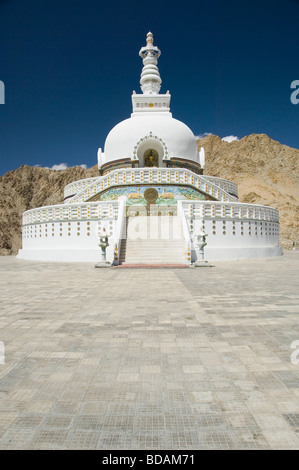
(216, 187)
(229, 210)
(62, 212)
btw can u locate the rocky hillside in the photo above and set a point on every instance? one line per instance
(265, 171)
(26, 188)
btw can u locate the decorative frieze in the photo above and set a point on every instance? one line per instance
(155, 175)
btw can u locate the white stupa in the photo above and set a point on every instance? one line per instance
(152, 120)
(151, 197)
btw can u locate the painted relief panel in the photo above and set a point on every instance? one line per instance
(160, 195)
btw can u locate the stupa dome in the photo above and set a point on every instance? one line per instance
(132, 137)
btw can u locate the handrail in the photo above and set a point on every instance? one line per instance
(119, 230)
(227, 185)
(109, 209)
(73, 188)
(139, 176)
(63, 212)
(185, 229)
(229, 210)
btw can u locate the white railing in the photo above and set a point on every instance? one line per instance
(63, 212)
(120, 229)
(110, 209)
(236, 210)
(137, 176)
(185, 230)
(227, 185)
(73, 188)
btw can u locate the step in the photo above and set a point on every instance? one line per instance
(154, 247)
(153, 240)
(152, 255)
(152, 258)
(153, 266)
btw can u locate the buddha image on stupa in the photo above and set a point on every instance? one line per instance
(151, 158)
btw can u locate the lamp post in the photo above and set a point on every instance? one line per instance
(103, 245)
(201, 243)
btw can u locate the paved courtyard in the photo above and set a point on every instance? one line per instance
(149, 358)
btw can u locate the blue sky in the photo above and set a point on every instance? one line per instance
(70, 66)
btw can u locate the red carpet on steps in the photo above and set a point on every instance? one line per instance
(151, 266)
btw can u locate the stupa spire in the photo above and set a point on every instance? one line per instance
(150, 80)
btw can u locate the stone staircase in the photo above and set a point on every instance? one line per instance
(153, 240)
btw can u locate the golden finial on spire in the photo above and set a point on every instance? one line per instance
(149, 39)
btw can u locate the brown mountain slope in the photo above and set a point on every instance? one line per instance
(265, 171)
(26, 188)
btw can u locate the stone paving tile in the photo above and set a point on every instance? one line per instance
(149, 359)
(81, 440)
(293, 419)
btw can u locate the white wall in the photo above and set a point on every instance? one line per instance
(67, 241)
(236, 239)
